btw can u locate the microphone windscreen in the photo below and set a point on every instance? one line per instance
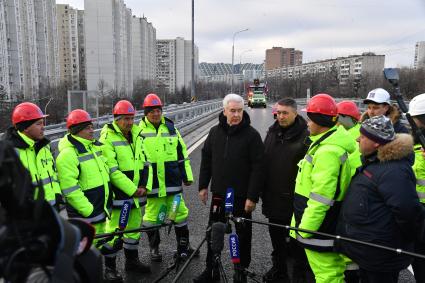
(217, 237)
(174, 207)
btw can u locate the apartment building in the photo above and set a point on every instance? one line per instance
(144, 49)
(174, 63)
(278, 57)
(353, 66)
(81, 50)
(419, 61)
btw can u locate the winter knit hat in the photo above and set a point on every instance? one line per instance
(378, 129)
(75, 129)
(148, 109)
(21, 126)
(322, 120)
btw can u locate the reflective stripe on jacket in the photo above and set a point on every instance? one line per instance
(84, 178)
(129, 168)
(166, 151)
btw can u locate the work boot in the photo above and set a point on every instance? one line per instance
(209, 275)
(278, 272)
(190, 251)
(111, 274)
(132, 262)
(156, 256)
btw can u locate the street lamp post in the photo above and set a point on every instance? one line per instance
(45, 109)
(233, 57)
(240, 64)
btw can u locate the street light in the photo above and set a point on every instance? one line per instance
(240, 64)
(233, 56)
(45, 110)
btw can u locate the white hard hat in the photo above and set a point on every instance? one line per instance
(378, 96)
(417, 105)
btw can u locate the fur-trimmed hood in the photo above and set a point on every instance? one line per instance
(398, 149)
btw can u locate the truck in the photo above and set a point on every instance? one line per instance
(257, 94)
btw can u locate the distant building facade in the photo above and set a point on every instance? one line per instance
(278, 57)
(144, 49)
(174, 63)
(419, 55)
(353, 66)
(222, 72)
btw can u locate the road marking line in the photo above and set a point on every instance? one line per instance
(195, 145)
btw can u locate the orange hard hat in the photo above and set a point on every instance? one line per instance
(26, 111)
(76, 117)
(349, 108)
(322, 103)
(152, 100)
(124, 107)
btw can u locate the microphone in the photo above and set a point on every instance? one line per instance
(234, 249)
(162, 214)
(173, 213)
(124, 215)
(228, 208)
(230, 199)
(217, 238)
(174, 207)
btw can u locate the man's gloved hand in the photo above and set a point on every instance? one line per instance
(141, 191)
(60, 202)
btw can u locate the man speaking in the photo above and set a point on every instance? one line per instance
(231, 158)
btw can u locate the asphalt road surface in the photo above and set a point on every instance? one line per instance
(261, 119)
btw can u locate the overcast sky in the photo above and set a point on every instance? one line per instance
(322, 29)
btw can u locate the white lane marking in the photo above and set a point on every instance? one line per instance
(411, 269)
(198, 143)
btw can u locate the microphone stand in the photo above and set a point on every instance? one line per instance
(248, 273)
(186, 264)
(217, 262)
(336, 237)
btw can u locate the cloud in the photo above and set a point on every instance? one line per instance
(321, 28)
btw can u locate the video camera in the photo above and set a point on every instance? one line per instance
(36, 244)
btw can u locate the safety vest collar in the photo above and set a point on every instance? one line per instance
(319, 136)
(164, 121)
(80, 144)
(27, 142)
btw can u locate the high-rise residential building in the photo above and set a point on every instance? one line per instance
(28, 47)
(47, 42)
(4, 66)
(69, 62)
(419, 55)
(21, 52)
(354, 66)
(81, 49)
(278, 57)
(144, 49)
(107, 26)
(174, 63)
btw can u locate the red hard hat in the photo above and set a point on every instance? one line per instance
(322, 103)
(124, 107)
(76, 117)
(25, 112)
(349, 108)
(152, 100)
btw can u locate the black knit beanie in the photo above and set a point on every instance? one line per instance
(148, 109)
(322, 120)
(75, 129)
(25, 124)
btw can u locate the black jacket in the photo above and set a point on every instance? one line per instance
(232, 158)
(382, 207)
(284, 148)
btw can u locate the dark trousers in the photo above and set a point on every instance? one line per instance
(378, 277)
(283, 247)
(244, 231)
(418, 265)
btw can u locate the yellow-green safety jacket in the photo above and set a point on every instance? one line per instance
(322, 180)
(166, 151)
(355, 157)
(419, 169)
(39, 161)
(84, 178)
(129, 168)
